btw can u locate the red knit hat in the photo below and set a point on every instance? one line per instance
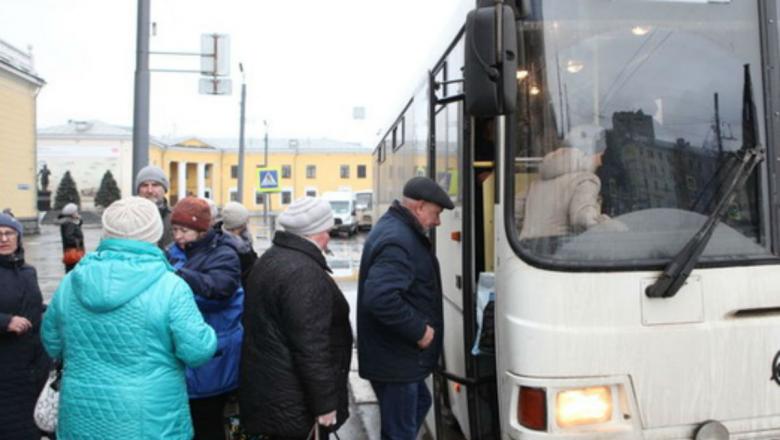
(193, 213)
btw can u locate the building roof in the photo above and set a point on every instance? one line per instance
(275, 145)
(95, 129)
(18, 63)
(92, 129)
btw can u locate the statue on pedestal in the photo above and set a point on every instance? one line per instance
(44, 174)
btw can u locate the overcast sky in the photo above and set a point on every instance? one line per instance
(308, 62)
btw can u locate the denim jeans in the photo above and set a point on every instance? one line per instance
(403, 407)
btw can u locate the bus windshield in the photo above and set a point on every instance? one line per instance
(629, 122)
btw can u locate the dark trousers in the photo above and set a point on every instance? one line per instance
(208, 417)
(403, 407)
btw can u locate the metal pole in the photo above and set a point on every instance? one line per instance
(241, 137)
(265, 164)
(141, 98)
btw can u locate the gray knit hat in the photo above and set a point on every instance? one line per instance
(307, 216)
(153, 174)
(234, 215)
(10, 222)
(133, 218)
(70, 209)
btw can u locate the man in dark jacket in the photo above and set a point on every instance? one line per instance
(152, 184)
(298, 341)
(399, 308)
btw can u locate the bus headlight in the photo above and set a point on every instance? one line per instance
(583, 406)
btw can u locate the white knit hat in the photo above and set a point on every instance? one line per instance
(307, 216)
(234, 215)
(134, 218)
(70, 209)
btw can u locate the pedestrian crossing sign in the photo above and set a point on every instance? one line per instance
(268, 179)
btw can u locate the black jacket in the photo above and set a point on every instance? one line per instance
(246, 253)
(23, 363)
(71, 234)
(167, 236)
(297, 341)
(399, 293)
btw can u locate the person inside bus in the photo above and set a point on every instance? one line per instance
(564, 200)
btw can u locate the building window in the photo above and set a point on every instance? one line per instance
(259, 198)
(234, 171)
(311, 171)
(286, 196)
(361, 171)
(344, 171)
(233, 195)
(311, 192)
(286, 171)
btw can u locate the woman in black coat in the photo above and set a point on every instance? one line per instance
(23, 363)
(72, 236)
(297, 338)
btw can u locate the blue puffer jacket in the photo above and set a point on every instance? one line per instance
(125, 326)
(212, 269)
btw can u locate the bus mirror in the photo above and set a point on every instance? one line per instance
(489, 75)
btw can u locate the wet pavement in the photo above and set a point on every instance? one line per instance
(44, 252)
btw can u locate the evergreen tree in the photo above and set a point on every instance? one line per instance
(66, 192)
(108, 192)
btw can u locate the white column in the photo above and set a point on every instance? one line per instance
(182, 180)
(201, 179)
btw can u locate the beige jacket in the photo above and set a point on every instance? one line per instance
(565, 198)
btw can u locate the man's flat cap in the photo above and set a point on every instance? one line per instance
(423, 188)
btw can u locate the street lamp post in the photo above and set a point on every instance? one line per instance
(266, 196)
(141, 98)
(241, 136)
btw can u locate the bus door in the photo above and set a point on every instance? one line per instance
(466, 387)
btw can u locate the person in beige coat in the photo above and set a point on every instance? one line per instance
(564, 199)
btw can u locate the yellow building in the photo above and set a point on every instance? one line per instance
(209, 168)
(204, 167)
(19, 87)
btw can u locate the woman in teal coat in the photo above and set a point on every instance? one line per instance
(125, 327)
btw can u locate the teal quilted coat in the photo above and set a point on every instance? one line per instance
(125, 326)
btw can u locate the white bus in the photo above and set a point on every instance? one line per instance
(658, 315)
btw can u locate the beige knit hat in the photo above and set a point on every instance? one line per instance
(307, 216)
(234, 215)
(133, 218)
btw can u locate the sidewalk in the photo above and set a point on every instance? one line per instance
(364, 400)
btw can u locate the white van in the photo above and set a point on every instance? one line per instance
(343, 205)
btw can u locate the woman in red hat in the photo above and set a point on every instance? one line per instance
(208, 261)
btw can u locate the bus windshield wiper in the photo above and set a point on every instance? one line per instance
(749, 155)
